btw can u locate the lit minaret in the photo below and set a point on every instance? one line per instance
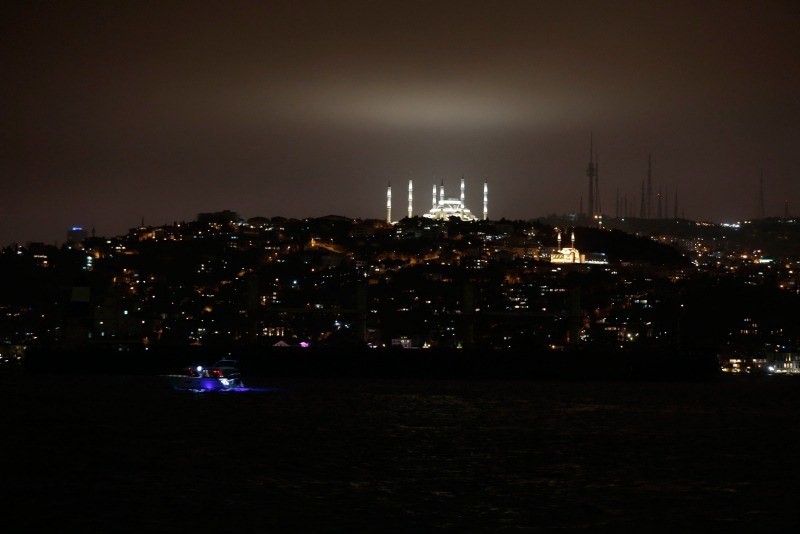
(434, 196)
(559, 239)
(572, 240)
(485, 200)
(389, 203)
(410, 196)
(441, 193)
(462, 191)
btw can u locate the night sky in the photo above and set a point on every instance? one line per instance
(114, 111)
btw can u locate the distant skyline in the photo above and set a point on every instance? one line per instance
(115, 111)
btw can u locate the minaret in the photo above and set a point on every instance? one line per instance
(410, 197)
(441, 193)
(559, 238)
(434, 196)
(389, 203)
(572, 239)
(462, 191)
(590, 174)
(649, 186)
(485, 200)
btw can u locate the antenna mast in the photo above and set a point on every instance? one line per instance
(643, 210)
(590, 173)
(649, 212)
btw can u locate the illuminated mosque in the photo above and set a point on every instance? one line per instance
(568, 254)
(442, 208)
(571, 254)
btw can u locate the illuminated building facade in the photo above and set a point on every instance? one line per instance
(444, 208)
(568, 254)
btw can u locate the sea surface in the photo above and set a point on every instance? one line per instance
(127, 454)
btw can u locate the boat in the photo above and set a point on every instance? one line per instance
(224, 375)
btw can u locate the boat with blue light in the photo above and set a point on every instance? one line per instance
(224, 375)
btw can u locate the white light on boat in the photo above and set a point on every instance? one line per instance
(199, 368)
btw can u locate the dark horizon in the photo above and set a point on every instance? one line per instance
(163, 110)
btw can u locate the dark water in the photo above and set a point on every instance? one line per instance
(123, 454)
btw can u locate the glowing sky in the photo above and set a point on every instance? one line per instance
(114, 111)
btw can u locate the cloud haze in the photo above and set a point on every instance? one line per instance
(116, 111)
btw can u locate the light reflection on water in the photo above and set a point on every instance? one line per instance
(358, 455)
(244, 389)
(264, 389)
